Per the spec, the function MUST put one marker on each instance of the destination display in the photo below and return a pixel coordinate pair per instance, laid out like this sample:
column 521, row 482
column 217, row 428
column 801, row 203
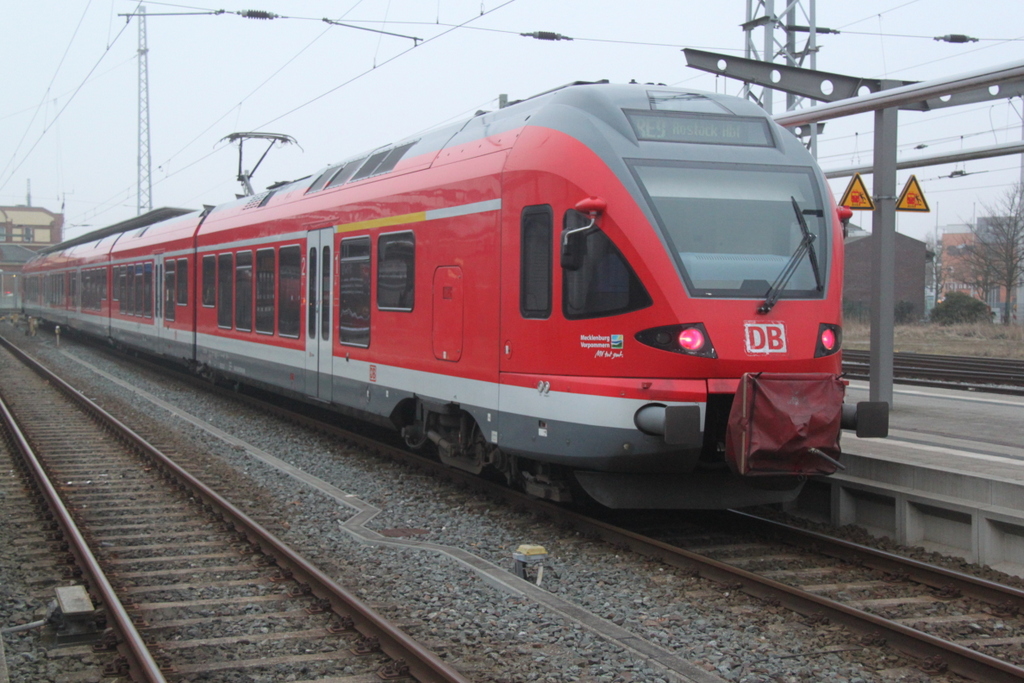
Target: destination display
column 709, row 129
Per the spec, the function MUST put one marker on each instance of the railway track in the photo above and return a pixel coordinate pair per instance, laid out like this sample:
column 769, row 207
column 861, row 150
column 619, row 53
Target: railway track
column 187, row 583
column 994, row 375
column 945, row 620
column 949, row 621
column 965, row 626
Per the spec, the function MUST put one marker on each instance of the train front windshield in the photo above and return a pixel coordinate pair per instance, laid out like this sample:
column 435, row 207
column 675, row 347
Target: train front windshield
column 734, row 229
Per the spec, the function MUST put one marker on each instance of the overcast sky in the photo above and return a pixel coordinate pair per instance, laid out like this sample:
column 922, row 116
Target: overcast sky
column 69, row 115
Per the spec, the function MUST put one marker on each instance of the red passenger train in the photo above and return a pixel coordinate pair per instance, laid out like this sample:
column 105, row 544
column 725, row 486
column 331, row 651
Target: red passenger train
column 626, row 292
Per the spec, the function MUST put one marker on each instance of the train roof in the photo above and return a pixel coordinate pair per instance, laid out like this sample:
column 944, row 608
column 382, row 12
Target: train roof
column 590, row 111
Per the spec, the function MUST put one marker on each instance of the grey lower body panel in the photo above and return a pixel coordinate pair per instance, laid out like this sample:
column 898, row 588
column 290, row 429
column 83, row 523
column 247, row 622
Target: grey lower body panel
column 699, row 490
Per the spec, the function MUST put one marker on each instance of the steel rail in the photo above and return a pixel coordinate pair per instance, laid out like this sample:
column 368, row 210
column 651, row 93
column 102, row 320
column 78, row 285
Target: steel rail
column 423, row 664
column 142, row 665
column 959, row 659
column 1004, row 376
column 915, row 643
column 919, row 572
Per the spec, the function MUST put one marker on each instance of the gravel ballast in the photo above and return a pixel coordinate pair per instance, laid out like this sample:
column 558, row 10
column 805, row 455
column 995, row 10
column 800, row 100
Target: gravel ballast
column 489, row 632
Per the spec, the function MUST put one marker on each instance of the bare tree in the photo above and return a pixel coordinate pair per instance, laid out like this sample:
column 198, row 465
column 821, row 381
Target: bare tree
column 995, row 258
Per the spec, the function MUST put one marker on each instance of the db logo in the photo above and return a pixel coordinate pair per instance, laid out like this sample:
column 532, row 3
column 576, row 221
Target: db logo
column 764, row 337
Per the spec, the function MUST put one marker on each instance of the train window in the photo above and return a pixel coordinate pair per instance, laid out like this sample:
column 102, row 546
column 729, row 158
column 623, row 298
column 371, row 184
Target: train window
column 243, row 291
column 325, row 294
column 756, row 214
column 289, row 291
column 354, row 292
column 128, row 299
column 265, row 291
column 311, row 285
column 535, row 262
column 147, row 289
column 396, row 270
column 209, row 280
column 170, row 289
column 182, row 293
column 116, row 292
column 604, row 284
column 225, row 269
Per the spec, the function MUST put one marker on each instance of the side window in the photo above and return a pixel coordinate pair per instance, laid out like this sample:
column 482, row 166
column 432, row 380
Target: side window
column 289, row 293
column 603, row 284
column 170, row 289
column 225, row 269
column 396, row 271
column 535, row 262
column 243, row 291
column 128, row 300
column 209, row 280
column 140, row 291
column 182, row 294
column 311, row 286
column 354, row 292
column 265, row 291
column 325, row 293
column 147, row 289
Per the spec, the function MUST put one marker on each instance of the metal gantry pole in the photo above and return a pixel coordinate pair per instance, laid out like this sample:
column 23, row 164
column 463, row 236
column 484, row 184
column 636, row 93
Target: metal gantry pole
column 883, row 253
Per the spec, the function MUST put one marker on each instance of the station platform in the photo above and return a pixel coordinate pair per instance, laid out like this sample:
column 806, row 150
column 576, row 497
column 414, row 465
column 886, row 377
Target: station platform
column 949, row 478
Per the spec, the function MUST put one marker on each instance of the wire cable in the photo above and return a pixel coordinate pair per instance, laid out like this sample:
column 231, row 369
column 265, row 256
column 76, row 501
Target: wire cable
column 46, row 93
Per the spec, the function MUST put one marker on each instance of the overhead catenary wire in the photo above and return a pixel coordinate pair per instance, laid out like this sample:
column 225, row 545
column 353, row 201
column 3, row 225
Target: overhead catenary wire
column 46, row 93
column 116, row 198
column 106, row 51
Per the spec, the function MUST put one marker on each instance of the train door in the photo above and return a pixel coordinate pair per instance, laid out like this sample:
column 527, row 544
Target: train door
column 163, row 304
column 448, row 319
column 319, row 336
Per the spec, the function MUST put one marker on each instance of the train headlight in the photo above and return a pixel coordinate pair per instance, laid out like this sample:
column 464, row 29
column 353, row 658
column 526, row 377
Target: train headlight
column 830, row 340
column 690, row 339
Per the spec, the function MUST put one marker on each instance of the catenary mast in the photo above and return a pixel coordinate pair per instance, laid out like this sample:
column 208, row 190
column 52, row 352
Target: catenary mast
column 145, row 179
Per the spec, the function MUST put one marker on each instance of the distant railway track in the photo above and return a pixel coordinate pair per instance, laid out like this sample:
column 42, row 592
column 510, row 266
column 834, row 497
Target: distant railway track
column 155, row 545
column 993, row 375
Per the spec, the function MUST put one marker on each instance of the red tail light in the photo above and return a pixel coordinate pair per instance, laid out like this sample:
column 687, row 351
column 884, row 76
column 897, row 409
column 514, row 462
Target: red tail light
column 691, row 339
column 830, row 340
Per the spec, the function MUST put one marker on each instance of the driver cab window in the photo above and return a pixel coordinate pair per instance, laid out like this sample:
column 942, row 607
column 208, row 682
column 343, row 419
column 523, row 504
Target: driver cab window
column 600, row 283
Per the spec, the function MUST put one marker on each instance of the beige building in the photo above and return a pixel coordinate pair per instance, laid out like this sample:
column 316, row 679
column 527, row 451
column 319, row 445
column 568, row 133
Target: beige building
column 23, row 231
column 30, row 226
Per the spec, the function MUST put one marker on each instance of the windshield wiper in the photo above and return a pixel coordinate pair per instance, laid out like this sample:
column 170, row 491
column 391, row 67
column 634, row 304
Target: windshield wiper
column 805, row 247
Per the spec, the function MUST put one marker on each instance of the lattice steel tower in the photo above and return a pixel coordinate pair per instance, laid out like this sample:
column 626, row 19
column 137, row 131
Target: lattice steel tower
column 145, row 194
column 779, row 39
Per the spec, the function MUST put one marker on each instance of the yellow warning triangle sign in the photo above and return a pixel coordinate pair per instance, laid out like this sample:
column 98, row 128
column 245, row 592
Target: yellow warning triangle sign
column 912, row 198
column 857, row 196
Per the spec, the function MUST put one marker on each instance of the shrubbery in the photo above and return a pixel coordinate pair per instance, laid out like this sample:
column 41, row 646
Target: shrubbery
column 959, row 308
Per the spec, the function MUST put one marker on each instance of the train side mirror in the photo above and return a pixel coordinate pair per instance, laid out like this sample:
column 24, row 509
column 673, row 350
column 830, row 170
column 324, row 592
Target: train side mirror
column 579, row 223
column 845, row 214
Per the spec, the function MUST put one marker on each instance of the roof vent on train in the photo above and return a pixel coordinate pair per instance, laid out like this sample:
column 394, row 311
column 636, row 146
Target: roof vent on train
column 684, row 101
column 256, row 200
column 380, row 162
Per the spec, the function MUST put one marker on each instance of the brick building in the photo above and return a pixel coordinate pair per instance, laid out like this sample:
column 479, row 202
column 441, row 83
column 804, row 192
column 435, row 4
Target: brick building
column 912, row 259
